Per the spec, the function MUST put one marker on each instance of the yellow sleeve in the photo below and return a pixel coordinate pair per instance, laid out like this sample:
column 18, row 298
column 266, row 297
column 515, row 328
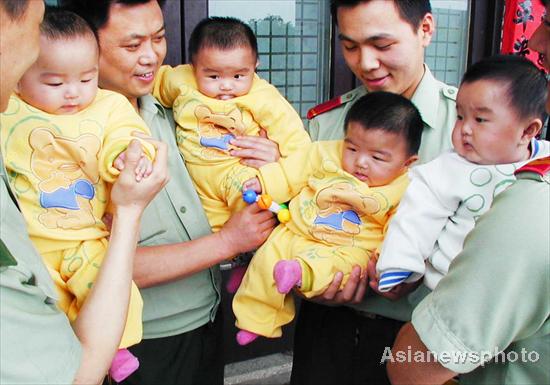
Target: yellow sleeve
column 274, row 113
column 283, row 180
column 123, row 121
column 168, row 83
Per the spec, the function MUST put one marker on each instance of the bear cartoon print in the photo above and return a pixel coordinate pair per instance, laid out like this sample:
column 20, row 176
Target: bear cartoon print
column 67, row 170
column 217, row 129
column 340, row 208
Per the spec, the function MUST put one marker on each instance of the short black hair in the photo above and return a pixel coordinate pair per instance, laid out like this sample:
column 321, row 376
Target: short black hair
column 388, row 112
column 62, row 24
column 222, row 33
column 412, row 11
column 526, row 83
column 96, row 12
column 15, row 8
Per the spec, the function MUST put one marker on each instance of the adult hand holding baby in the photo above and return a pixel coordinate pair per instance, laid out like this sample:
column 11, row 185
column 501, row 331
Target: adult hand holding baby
column 256, row 151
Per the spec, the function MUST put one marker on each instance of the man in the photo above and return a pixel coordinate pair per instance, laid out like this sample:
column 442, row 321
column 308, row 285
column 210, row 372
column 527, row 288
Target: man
column 489, row 317
column 176, row 265
column 58, row 353
column 383, row 43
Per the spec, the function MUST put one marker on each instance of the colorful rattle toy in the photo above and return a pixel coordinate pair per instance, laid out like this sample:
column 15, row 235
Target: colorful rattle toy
column 266, row 202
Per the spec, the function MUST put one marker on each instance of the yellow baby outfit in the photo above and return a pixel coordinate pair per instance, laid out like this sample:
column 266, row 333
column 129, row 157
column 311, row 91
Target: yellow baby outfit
column 205, row 126
column 60, row 168
column 337, row 221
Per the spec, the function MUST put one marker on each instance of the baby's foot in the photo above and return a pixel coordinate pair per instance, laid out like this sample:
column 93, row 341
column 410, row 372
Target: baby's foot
column 244, row 337
column 287, row 274
column 124, row 364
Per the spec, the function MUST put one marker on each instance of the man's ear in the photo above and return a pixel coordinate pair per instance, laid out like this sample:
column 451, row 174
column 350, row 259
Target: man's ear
column 531, row 131
column 257, row 64
column 411, row 160
column 427, row 29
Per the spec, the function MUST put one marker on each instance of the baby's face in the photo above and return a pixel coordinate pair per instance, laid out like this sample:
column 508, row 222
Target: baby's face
column 488, row 130
column 224, row 74
column 374, row 156
column 63, row 80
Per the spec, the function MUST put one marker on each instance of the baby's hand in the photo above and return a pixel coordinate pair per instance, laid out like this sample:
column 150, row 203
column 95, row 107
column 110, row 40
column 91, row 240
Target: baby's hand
column 143, row 169
column 118, row 163
column 253, row 184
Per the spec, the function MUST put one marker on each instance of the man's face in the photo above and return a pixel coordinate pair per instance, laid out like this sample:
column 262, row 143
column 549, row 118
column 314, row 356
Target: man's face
column 381, row 48
column 132, row 48
column 19, row 47
column 540, row 41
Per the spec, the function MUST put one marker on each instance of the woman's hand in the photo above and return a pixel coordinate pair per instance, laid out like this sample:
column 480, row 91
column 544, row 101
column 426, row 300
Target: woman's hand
column 255, row 151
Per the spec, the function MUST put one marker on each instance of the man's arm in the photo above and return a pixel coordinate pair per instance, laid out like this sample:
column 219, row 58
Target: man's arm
column 101, row 320
column 495, row 293
column 245, row 231
column 413, row 372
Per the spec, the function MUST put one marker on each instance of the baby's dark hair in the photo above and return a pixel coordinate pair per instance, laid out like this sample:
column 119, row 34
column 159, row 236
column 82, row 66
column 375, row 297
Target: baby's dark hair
column 526, row 83
column 222, row 33
column 390, row 113
column 60, row 24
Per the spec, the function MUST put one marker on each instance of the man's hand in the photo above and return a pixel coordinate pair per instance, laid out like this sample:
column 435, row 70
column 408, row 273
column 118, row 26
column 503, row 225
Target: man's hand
column 396, row 292
column 247, row 229
column 255, row 151
column 143, row 168
column 129, row 193
column 353, row 291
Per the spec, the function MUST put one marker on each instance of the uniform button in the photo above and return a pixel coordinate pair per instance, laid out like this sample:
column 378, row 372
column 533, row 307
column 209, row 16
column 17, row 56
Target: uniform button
column 451, row 91
column 183, row 209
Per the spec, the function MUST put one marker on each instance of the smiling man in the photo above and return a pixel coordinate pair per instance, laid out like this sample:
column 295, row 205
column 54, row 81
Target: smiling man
column 176, row 266
column 383, row 43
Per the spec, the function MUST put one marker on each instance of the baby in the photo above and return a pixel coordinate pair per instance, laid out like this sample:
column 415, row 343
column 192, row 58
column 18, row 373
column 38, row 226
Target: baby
column 500, row 109
column 343, row 195
column 217, row 98
column 60, row 139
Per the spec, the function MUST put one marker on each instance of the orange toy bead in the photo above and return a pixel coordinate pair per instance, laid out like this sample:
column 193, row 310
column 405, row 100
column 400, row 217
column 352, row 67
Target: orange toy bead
column 265, row 201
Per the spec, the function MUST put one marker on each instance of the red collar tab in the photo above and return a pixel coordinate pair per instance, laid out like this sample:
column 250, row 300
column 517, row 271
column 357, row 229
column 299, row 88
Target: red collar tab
column 539, row 166
column 324, row 107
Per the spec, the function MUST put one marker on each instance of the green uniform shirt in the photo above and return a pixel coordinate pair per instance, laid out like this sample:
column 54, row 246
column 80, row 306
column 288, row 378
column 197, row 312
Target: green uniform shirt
column 496, row 295
column 37, row 343
column 434, row 99
column 436, row 103
column 175, row 215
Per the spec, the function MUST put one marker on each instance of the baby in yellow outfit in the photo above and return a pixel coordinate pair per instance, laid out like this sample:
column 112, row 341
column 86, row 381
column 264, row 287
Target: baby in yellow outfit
column 60, row 139
column 217, row 98
column 343, row 194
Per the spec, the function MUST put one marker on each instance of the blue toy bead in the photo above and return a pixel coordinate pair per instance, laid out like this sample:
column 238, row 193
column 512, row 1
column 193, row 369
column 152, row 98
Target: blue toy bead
column 249, row 196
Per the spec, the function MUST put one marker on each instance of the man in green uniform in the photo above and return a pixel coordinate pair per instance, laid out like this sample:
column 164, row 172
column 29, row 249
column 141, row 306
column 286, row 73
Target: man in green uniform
column 383, row 43
column 489, row 317
column 177, row 261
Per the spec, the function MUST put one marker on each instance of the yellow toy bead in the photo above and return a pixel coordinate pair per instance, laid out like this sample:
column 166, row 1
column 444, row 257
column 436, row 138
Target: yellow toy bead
column 283, row 216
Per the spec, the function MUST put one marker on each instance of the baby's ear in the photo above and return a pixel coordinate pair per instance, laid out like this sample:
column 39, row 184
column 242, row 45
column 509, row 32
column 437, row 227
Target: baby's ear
column 531, row 131
column 411, row 160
